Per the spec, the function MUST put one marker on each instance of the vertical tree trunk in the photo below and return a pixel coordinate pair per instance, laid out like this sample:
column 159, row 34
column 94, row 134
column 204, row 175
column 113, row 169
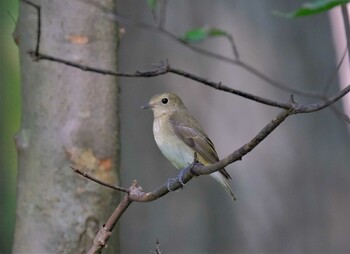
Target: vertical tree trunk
column 68, row 117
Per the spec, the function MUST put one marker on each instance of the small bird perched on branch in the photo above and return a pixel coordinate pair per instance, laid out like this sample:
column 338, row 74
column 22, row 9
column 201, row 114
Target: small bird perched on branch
column 179, row 136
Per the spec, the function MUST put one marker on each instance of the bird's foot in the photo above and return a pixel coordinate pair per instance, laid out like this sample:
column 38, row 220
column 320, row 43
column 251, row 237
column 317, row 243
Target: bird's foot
column 180, row 177
column 182, row 174
column 171, row 181
column 196, row 164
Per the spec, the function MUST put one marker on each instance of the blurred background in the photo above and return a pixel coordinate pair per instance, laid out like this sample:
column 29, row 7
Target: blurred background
column 293, row 189
column 9, row 121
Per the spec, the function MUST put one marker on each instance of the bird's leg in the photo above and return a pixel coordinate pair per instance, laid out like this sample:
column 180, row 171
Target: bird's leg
column 180, row 176
column 194, row 163
column 195, row 158
column 170, row 181
column 182, row 173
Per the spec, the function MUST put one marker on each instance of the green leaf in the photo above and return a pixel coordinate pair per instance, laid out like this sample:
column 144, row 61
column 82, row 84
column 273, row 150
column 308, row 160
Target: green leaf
column 195, row 35
column 202, row 33
column 312, row 8
column 152, row 4
column 214, row 32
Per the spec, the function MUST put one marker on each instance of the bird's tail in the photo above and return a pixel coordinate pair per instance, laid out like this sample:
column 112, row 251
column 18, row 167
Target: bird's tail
column 223, row 181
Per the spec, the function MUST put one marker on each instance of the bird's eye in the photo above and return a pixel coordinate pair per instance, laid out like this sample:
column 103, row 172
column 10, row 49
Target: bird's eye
column 165, row 100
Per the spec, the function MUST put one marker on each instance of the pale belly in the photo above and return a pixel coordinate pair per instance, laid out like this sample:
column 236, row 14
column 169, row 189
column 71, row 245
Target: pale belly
column 176, row 151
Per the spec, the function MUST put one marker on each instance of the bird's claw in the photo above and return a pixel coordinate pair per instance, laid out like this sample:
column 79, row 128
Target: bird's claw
column 181, row 181
column 172, row 180
column 168, row 185
column 180, row 177
column 195, row 164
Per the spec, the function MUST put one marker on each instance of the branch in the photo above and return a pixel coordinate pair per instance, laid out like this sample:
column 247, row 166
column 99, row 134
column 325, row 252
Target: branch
column 164, row 68
column 162, row 15
column 38, row 34
column 78, row 171
column 345, row 15
column 136, row 193
column 157, row 250
column 334, row 74
column 233, row 46
column 221, row 87
column 37, row 56
column 308, row 108
column 340, row 114
column 100, row 240
column 117, row 17
column 161, row 69
column 195, row 169
column 239, row 153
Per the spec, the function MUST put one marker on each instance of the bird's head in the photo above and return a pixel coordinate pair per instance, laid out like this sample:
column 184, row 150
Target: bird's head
column 164, row 103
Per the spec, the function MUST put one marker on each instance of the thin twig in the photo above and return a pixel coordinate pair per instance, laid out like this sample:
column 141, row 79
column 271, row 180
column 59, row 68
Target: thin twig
column 233, row 46
column 100, row 240
column 84, row 174
column 308, row 108
column 157, row 249
column 162, row 14
column 151, row 73
column 344, row 11
column 334, row 74
column 340, row 114
column 267, row 130
column 127, row 21
column 38, row 34
column 221, row 87
column 239, row 153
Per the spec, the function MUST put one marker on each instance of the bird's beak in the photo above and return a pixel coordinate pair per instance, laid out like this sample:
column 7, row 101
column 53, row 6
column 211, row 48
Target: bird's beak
column 146, row 106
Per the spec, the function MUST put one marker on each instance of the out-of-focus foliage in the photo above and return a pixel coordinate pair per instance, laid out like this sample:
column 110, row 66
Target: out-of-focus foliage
column 152, row 4
column 9, row 124
column 202, row 33
column 312, row 8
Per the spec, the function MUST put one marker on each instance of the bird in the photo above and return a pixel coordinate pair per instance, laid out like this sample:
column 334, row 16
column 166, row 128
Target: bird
column 179, row 136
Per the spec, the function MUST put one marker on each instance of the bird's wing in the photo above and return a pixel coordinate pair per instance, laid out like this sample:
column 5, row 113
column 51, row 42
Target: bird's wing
column 187, row 129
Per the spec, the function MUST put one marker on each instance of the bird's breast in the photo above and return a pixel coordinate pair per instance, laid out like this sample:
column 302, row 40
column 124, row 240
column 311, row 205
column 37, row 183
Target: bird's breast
column 174, row 149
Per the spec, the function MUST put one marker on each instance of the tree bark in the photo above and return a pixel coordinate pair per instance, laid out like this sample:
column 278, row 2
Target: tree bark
column 68, row 117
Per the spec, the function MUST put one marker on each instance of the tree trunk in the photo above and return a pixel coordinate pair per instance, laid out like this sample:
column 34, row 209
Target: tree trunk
column 68, row 117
